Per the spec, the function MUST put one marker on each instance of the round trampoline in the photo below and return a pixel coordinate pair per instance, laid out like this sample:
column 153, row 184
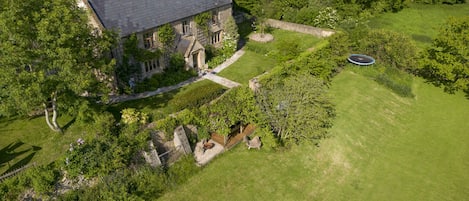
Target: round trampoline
column 361, row 59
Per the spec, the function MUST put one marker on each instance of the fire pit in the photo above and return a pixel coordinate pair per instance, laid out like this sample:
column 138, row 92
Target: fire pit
column 209, row 145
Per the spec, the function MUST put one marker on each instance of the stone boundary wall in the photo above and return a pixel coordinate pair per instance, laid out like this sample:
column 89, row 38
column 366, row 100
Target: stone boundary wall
column 299, row 28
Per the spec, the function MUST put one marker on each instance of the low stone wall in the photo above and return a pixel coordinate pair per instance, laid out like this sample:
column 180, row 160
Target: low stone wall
column 299, row 28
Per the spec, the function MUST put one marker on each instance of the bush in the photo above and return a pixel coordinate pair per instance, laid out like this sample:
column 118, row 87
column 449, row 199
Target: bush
column 196, row 97
column 181, row 171
column 286, row 49
column 259, row 48
column 168, row 78
column 44, row 178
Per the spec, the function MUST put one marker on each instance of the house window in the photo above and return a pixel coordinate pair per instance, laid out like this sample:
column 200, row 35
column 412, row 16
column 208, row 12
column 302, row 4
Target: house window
column 152, row 65
column 148, row 40
column 214, row 17
column 186, row 27
column 216, row 37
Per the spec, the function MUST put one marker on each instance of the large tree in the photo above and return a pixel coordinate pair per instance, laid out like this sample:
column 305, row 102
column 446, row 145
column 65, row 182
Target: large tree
column 237, row 106
column 297, row 108
column 49, row 55
column 446, row 62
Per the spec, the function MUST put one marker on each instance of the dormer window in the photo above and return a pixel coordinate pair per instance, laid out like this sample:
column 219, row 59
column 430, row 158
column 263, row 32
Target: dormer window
column 214, row 17
column 186, row 27
column 148, row 40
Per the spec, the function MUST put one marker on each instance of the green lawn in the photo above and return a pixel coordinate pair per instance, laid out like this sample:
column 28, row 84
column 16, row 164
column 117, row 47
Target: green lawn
column 420, row 21
column 174, row 101
column 24, row 141
column 253, row 64
column 250, row 65
column 384, row 147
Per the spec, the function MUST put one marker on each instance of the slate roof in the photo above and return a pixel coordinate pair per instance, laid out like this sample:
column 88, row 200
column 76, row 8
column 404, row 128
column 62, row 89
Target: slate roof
column 131, row 16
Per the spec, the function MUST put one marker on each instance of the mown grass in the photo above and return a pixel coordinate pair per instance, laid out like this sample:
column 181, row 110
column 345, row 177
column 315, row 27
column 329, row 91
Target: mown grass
column 24, row 141
column 419, row 21
column 261, row 57
column 384, row 147
column 248, row 66
column 193, row 95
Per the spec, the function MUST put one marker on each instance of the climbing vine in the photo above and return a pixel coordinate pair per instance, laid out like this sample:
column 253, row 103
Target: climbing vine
column 166, row 35
column 202, row 20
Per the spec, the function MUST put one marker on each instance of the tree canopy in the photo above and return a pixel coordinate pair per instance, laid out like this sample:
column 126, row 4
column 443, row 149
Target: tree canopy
column 297, row 108
column 446, row 62
column 49, row 55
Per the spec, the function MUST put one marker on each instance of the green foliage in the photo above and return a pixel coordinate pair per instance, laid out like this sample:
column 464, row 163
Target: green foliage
column 166, row 35
column 374, row 142
column 286, row 49
column 143, row 184
column 297, row 108
column 215, row 56
column 49, row 50
column 132, row 116
column 327, row 18
column 169, row 77
column 176, row 62
column 44, row 178
column 440, row 1
column 202, row 21
column 197, row 98
column 391, row 48
column 446, row 61
column 237, row 106
column 181, row 171
column 99, row 156
column 130, row 68
column 168, row 124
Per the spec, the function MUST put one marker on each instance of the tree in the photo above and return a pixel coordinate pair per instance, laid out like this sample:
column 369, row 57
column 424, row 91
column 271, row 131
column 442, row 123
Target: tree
column 49, row 57
column 446, row 62
column 297, row 108
column 392, row 48
column 238, row 106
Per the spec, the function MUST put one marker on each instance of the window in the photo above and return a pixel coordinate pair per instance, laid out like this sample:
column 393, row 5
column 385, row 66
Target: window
column 148, row 40
column 186, row 28
column 152, row 65
column 214, row 17
column 216, row 37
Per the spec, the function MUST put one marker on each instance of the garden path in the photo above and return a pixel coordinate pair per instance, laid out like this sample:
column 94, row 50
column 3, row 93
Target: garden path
column 210, row 76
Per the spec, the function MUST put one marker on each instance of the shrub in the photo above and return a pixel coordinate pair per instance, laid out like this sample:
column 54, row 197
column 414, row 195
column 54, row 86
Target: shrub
column 196, row 97
column 181, row 171
column 287, row 49
column 132, row 116
column 167, row 78
column 44, row 178
column 259, row 48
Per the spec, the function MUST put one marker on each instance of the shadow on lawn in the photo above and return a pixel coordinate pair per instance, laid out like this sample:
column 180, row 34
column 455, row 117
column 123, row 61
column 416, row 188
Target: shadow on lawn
column 9, row 153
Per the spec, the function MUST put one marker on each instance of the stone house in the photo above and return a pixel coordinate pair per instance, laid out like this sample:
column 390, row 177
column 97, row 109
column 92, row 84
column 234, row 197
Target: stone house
column 144, row 17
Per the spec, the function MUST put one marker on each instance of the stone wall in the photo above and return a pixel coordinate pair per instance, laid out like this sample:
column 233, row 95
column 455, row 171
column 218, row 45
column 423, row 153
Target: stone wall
column 299, row 28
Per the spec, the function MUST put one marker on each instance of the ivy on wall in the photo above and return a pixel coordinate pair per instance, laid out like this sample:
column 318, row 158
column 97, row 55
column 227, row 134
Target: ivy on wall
column 202, row 20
